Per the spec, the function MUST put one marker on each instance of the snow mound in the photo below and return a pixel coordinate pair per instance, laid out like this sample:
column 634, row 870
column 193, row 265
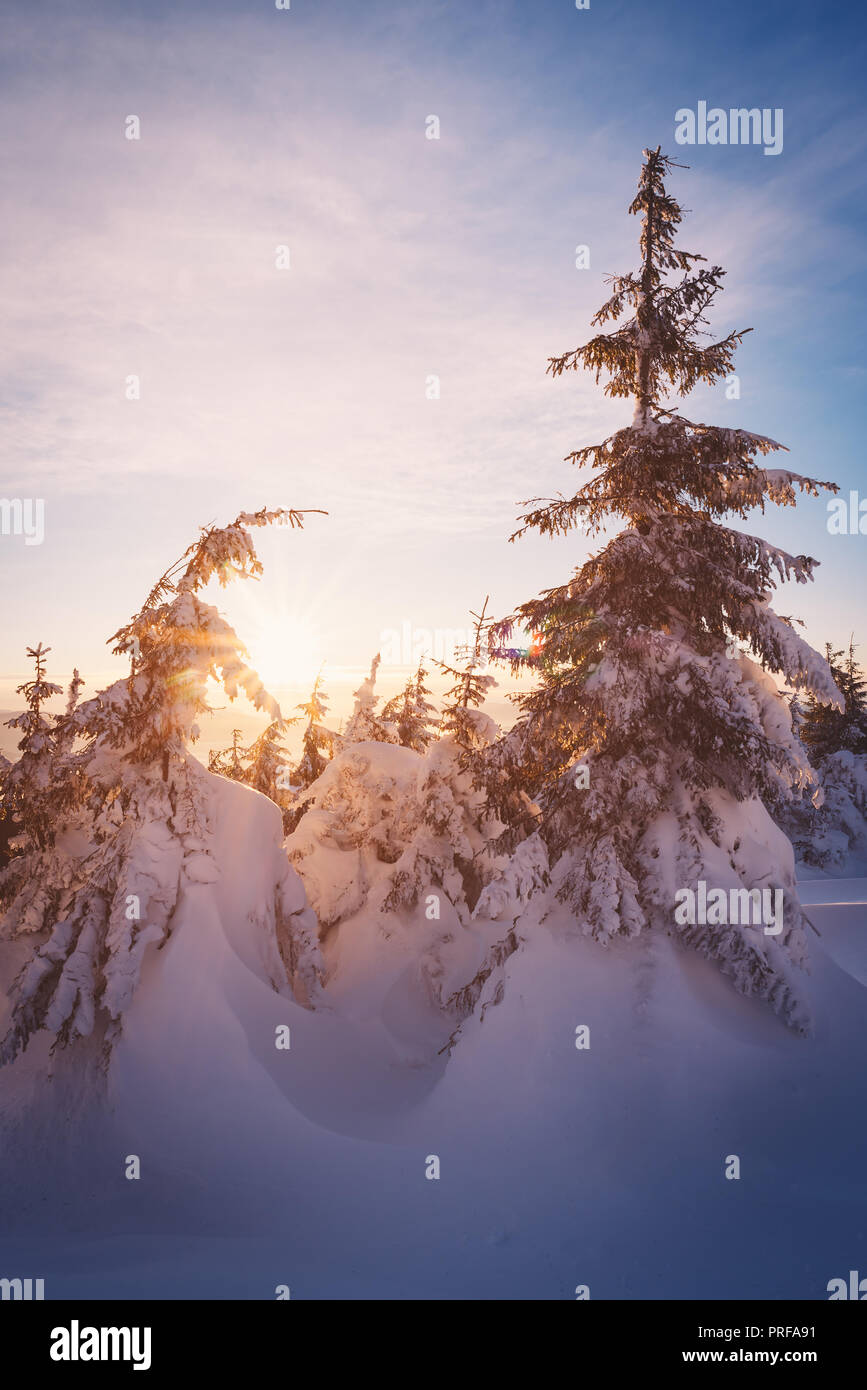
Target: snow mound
column 582, row 1127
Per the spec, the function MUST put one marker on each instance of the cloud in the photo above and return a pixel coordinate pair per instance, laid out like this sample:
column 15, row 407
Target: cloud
column 410, row 258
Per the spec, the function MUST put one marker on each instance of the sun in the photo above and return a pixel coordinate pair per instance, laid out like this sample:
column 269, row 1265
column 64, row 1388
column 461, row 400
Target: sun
column 284, row 648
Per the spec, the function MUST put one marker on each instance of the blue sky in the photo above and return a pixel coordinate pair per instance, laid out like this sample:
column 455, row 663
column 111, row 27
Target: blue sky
column 409, row 257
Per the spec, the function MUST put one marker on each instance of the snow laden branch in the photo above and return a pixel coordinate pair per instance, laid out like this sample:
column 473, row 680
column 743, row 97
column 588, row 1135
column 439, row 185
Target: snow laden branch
column 679, row 468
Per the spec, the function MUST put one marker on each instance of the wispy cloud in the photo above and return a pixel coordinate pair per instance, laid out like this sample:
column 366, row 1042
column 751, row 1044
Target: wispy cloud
column 410, row 259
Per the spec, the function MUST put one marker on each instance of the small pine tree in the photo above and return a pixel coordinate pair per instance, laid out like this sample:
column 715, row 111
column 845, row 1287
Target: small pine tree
column 228, row 761
column 825, row 729
column 461, row 716
column 268, row 769
column 454, row 839
column 364, row 725
column 7, row 826
column 318, row 743
column 46, row 789
column 28, row 785
column 412, row 714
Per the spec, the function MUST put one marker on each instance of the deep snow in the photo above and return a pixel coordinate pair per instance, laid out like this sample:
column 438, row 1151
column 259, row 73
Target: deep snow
column 559, row 1166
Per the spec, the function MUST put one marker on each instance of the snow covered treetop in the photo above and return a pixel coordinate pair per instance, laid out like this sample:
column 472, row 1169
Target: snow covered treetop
column 660, row 343
column 176, row 643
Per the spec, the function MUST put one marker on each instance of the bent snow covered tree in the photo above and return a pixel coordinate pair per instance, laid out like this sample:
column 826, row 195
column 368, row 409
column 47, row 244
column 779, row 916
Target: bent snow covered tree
column 677, row 735
column 94, row 887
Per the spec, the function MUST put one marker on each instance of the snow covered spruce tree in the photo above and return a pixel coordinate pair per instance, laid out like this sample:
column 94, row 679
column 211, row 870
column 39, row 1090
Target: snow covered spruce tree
column 28, row 784
column 268, row 770
column 264, row 766
column 142, row 824
column 825, row 729
column 365, row 726
column 412, row 714
column 452, row 844
column 38, row 793
column 648, row 742
column 229, row 761
column 461, row 715
column 824, row 833
column 386, row 825
column 318, row 743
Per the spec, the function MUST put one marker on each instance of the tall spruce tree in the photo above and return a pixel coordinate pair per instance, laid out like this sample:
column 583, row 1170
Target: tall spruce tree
column 671, row 733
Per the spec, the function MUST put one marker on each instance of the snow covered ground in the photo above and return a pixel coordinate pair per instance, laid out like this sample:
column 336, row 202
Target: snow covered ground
column 838, row 909
column 559, row 1166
